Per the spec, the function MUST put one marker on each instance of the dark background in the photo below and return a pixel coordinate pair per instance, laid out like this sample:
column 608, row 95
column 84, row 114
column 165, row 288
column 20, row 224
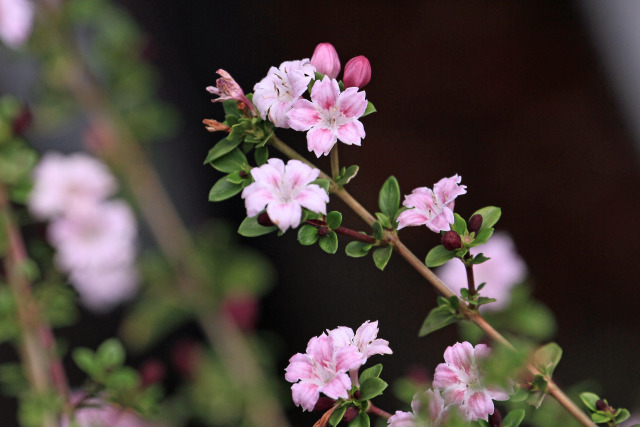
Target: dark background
column 510, row 95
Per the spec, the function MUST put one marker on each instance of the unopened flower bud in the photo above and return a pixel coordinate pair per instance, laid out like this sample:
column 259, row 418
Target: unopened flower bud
column 495, row 419
column 264, row 220
column 451, row 240
column 324, row 404
column 475, row 222
column 325, row 59
column 350, row 414
column 357, row 72
column 215, row 126
column 601, row 405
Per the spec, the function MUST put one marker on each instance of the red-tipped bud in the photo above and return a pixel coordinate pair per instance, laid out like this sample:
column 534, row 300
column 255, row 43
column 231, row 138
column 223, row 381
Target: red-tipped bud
column 475, row 222
column 350, row 414
column 264, row 220
column 495, row 419
column 357, row 72
column 451, row 240
column 601, row 405
column 325, row 59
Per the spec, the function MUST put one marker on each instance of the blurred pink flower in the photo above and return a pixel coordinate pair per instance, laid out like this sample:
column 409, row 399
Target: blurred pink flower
column 461, row 381
column 274, row 95
column 322, row 370
column 433, row 208
column 227, row 88
column 357, row 72
column 68, row 183
column 98, row 413
column 330, row 116
column 284, row 191
column 16, row 20
column 103, row 288
column 437, row 412
column 365, row 339
column 501, row 273
column 326, row 60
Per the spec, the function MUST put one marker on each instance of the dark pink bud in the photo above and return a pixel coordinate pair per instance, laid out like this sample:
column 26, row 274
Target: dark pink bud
column 357, row 72
column 22, row 121
column 324, row 404
column 152, row 371
column 186, row 356
column 495, row 419
column 350, row 414
column 243, row 310
column 475, row 222
column 451, row 240
column 325, row 59
column 601, row 405
column 264, row 220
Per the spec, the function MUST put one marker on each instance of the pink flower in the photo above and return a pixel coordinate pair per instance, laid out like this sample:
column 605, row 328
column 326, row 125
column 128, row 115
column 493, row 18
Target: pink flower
column 330, row 116
column 274, row 95
column 460, row 379
column 365, row 339
column 437, row 412
column 501, row 273
column 227, row 88
column 432, row 208
column 70, row 183
column 98, row 413
column 357, row 72
column 102, row 288
column 16, row 19
column 322, row 370
column 284, row 190
column 326, row 60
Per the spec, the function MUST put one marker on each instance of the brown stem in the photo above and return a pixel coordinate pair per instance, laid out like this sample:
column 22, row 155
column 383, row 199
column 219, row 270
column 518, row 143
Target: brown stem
column 377, row 411
column 356, row 235
column 471, row 283
column 335, row 163
column 466, row 311
column 41, row 364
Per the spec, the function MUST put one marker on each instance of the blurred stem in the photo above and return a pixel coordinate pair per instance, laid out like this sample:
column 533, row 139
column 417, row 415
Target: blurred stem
column 126, row 156
column 335, row 163
column 418, row 265
column 36, row 349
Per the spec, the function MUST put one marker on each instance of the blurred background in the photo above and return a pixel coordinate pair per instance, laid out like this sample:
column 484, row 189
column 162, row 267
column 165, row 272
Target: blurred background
column 534, row 104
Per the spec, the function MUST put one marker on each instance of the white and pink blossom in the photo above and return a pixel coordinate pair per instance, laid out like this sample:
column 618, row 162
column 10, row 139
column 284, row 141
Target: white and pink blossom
column 365, row 339
column 274, row 94
column 284, row 191
column 501, row 273
column 96, row 412
column 322, row 369
column 461, row 381
column 433, row 208
column 16, row 21
column 68, row 183
column 436, row 416
column 330, row 116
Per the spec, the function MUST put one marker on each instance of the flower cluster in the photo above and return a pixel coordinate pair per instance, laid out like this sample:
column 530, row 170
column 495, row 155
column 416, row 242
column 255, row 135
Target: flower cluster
column 433, row 208
column 458, row 384
column 331, row 115
column 95, row 238
column 505, row 270
column 324, row 366
column 16, row 19
column 284, row 191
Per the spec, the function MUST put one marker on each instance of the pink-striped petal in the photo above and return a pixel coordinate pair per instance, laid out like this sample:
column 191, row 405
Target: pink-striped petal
column 305, row 394
column 338, row 386
column 479, row 406
column 256, row 199
column 351, row 132
column 313, row 198
column 303, row 115
column 320, row 141
column 353, row 103
column 285, row 215
column 299, row 174
column 325, row 93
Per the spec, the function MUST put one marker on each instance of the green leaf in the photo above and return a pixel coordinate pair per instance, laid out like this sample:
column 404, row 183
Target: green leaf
column 438, row 318
column 622, row 416
column 459, row 224
column 250, row 228
column 223, row 189
column 589, row 399
column 372, row 372
column 384, row 220
column 223, row 147
column 230, row 107
column 334, row 219
column 348, row 175
column 547, row 358
column 235, row 177
column 389, row 197
column 85, row 359
column 110, row 353
column 490, row 216
column 370, row 109
column 513, row 418
column 233, row 161
column 307, row 235
column 482, row 237
column 598, row 417
column 362, row 420
column 329, row 242
column 377, row 230
column 261, row 155
column 358, row 249
column 381, row 256
column 438, row 256
column 337, row 415
column 323, row 183
column 372, row 387
column 479, row 259
column 484, row 300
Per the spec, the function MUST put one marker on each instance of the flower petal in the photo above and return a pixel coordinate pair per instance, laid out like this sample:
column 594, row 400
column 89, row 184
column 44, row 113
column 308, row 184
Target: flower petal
column 285, row 215
column 479, row 406
column 303, row 115
column 338, row 386
column 320, row 141
column 353, row 103
column 313, row 198
column 299, row 174
column 351, row 132
column 325, row 93
column 305, row 394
